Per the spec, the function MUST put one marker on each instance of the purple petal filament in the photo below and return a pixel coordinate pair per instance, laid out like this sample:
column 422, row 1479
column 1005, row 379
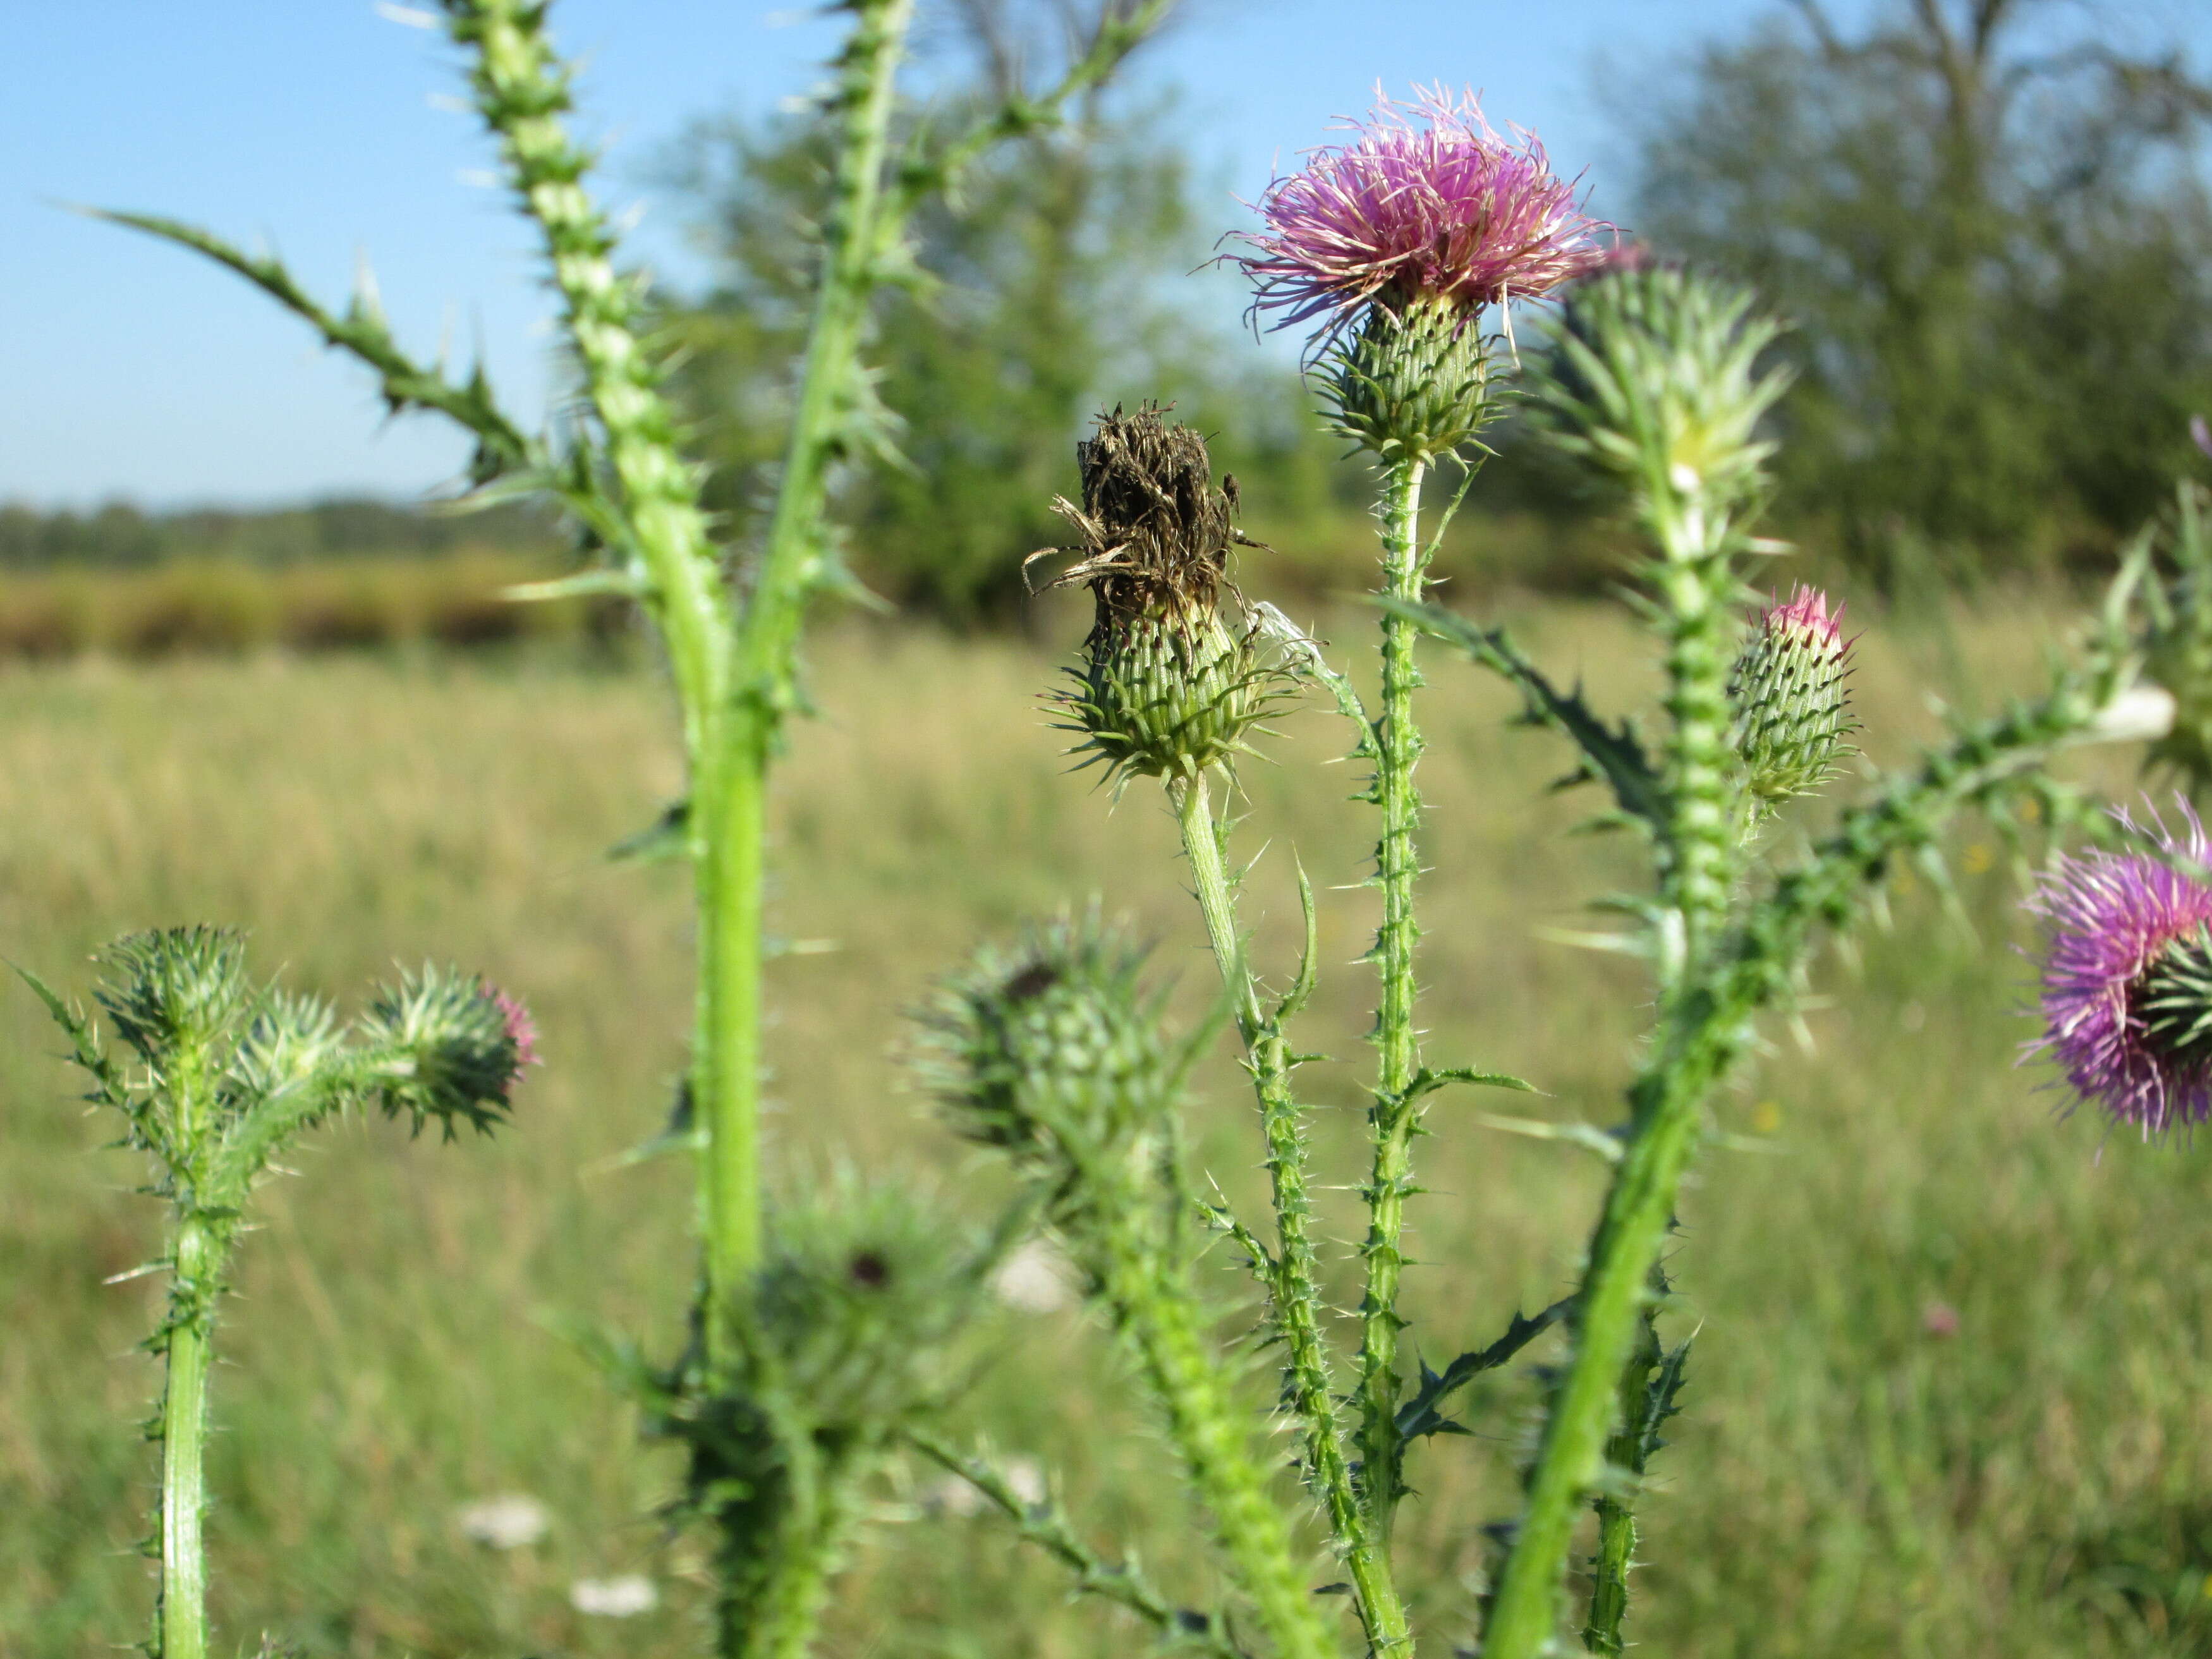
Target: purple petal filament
column 1436, row 206
column 2111, row 916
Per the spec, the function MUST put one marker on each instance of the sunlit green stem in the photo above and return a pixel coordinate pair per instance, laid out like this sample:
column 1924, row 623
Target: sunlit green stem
column 1571, row 1459
column 1698, row 865
column 183, row 1620
column 1394, row 1115
column 1154, row 1303
column 1293, row 1275
column 521, row 91
column 1616, row 1510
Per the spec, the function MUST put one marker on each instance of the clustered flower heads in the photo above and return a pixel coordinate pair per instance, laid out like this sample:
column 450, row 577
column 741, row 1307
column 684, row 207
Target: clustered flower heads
column 1166, row 688
column 1396, row 242
column 1792, row 706
column 2127, row 976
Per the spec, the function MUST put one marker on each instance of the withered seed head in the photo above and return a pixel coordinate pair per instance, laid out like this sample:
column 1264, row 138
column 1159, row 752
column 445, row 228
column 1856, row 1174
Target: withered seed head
column 1156, row 529
column 1166, row 689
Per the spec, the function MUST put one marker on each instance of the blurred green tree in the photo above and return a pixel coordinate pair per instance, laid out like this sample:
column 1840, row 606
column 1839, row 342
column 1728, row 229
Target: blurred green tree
column 1992, row 228
column 1050, row 286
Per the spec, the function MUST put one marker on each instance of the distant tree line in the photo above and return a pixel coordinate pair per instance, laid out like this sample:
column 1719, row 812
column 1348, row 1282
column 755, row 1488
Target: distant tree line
column 1991, row 228
column 118, row 536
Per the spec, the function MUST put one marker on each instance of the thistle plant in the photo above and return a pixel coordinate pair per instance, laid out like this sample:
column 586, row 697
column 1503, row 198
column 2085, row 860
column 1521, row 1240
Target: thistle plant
column 1053, row 1054
column 1654, row 377
column 730, row 618
column 1400, row 241
column 215, row 1079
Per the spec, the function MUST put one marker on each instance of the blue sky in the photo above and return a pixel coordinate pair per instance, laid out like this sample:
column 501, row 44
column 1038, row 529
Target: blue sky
column 327, row 129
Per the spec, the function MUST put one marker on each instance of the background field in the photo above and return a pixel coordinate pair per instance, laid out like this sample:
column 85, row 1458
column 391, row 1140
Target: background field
column 1848, row 1479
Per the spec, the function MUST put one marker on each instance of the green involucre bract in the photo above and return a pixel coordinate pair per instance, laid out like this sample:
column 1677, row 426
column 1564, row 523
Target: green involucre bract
column 1411, row 382
column 1792, row 705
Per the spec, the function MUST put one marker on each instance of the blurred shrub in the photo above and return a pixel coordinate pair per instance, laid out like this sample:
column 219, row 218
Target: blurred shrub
column 226, row 606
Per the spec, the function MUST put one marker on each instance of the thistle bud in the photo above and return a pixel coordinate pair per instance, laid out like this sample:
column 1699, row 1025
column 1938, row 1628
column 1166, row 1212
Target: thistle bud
column 448, row 1047
column 1166, row 688
column 1412, row 381
column 1053, row 1051
column 1792, row 708
column 847, row 1334
column 1652, row 377
column 858, row 1301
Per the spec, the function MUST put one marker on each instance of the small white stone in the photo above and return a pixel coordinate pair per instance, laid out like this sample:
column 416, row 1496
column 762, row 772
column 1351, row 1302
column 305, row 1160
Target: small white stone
column 1026, row 1476
column 614, row 1598
column 2141, row 713
column 1034, row 1280
column 506, row 1522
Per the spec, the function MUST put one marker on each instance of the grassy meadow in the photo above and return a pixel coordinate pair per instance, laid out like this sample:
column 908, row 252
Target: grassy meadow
column 1948, row 1397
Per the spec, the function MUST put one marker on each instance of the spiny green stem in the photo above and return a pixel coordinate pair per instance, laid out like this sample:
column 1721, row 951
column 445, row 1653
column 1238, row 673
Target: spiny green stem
column 855, row 234
column 181, row 1623
column 1571, row 1460
column 1043, row 1525
column 1157, row 1308
column 782, row 1621
column 1394, row 1117
column 1616, row 1512
column 1293, row 1275
column 521, row 91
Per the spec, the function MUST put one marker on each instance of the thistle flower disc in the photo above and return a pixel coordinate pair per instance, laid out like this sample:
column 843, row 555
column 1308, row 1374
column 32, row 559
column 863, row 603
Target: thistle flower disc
column 2127, row 977
column 1425, row 200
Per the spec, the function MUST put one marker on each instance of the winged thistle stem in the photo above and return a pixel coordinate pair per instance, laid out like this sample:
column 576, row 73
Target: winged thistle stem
column 1292, row 1272
column 1053, row 1054
column 1394, row 1117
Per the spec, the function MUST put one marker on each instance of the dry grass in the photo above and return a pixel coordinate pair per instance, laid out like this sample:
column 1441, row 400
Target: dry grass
column 1845, row 1482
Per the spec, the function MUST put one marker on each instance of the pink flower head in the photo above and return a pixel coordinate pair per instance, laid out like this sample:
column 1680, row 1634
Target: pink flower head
column 2114, row 918
column 521, row 1030
column 1436, row 206
column 1806, row 618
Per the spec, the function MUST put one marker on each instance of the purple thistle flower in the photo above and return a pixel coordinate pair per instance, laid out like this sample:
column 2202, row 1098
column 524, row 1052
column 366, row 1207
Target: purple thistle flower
column 2122, row 982
column 1440, row 207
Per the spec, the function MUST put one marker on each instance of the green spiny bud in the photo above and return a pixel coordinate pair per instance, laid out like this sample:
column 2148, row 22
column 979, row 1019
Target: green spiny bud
column 2177, row 643
column 171, row 989
column 1652, row 377
column 1792, row 707
column 1411, row 382
column 1053, row 1051
column 1166, row 688
column 448, row 1047
column 861, row 1293
column 846, row 1333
